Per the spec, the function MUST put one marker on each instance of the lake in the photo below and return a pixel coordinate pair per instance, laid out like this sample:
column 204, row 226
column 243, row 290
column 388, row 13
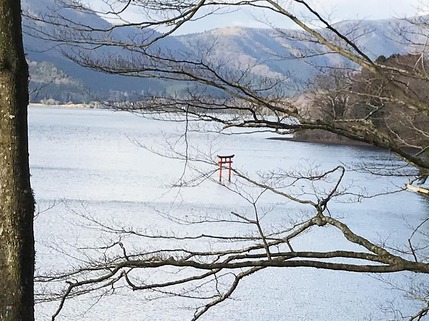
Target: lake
column 125, row 170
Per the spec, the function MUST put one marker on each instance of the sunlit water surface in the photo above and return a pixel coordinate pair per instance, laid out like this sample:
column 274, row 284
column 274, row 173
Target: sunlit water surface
column 106, row 165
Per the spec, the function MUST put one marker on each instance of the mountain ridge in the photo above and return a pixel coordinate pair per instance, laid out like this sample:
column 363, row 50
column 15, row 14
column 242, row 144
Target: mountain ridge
column 261, row 50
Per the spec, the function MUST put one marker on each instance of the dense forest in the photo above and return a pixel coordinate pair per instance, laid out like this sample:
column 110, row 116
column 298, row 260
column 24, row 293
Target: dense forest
column 342, row 94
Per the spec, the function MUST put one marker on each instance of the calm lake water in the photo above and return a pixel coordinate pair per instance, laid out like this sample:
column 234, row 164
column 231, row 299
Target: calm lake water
column 112, row 166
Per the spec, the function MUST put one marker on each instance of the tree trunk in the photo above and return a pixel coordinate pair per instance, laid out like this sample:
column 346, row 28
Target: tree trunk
column 16, row 199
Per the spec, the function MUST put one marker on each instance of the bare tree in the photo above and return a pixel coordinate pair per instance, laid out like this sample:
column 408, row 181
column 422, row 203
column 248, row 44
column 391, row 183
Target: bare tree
column 16, row 198
column 238, row 98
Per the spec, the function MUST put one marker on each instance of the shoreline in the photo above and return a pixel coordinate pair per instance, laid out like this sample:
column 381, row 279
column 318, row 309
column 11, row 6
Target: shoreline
column 327, row 141
column 323, row 141
column 75, row 106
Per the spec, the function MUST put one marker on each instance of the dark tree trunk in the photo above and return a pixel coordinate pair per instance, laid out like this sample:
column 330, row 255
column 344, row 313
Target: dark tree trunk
column 16, row 199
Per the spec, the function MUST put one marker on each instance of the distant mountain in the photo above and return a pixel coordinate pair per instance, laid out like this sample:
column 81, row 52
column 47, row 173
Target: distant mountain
column 50, row 84
column 98, row 86
column 271, row 53
column 262, row 51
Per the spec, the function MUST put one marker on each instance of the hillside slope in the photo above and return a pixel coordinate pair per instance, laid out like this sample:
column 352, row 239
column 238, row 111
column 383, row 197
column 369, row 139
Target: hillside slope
column 262, row 52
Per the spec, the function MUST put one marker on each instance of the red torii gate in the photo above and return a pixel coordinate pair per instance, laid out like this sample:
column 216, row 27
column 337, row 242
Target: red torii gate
column 225, row 160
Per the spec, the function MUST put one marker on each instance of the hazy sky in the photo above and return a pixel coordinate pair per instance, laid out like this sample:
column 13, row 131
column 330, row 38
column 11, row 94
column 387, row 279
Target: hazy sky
column 336, row 10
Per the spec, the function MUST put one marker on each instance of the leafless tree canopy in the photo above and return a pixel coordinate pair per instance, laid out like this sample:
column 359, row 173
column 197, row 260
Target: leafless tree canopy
column 382, row 102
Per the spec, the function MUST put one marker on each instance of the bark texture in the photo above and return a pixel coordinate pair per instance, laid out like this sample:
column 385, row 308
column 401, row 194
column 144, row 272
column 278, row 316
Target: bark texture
column 16, row 199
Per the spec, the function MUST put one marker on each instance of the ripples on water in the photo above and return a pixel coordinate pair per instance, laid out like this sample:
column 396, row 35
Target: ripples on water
column 89, row 162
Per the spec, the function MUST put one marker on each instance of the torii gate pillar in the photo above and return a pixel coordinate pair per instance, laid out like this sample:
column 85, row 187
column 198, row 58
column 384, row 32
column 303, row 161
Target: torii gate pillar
column 225, row 160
